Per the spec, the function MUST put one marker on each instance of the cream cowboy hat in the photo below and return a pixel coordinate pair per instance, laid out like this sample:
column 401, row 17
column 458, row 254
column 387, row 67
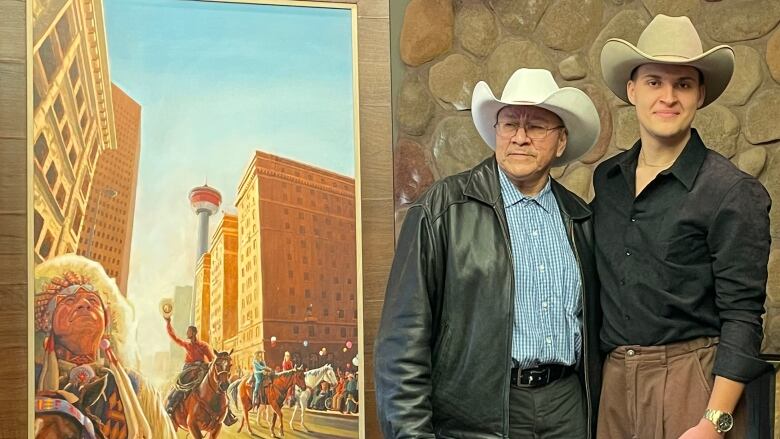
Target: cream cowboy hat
column 536, row 87
column 667, row 40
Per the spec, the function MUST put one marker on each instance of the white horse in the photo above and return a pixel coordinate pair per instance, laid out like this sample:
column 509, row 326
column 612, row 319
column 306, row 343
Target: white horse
column 313, row 378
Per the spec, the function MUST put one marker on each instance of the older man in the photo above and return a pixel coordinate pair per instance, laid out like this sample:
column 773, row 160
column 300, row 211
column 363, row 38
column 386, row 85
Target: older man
column 682, row 248
column 491, row 318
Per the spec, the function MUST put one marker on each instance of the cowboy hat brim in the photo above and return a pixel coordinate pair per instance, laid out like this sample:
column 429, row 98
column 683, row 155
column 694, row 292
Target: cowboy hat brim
column 619, row 58
column 572, row 105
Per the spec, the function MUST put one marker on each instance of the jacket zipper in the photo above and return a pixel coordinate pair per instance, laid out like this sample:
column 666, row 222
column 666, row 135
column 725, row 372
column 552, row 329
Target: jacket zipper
column 584, row 322
column 507, row 242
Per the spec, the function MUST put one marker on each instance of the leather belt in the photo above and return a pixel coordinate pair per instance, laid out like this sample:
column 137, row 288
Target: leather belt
column 539, row 376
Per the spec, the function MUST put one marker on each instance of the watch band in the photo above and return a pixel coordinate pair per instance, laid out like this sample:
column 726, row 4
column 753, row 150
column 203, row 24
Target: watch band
column 714, row 416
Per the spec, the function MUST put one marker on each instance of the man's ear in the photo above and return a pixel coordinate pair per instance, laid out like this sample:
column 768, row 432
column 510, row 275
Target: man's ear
column 631, row 92
column 563, row 139
column 702, row 94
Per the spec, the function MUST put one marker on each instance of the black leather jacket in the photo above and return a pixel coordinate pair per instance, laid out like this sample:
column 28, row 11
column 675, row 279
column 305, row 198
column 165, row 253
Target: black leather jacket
column 442, row 353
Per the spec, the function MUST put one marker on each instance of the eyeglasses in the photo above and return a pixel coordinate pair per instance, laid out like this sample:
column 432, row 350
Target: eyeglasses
column 533, row 132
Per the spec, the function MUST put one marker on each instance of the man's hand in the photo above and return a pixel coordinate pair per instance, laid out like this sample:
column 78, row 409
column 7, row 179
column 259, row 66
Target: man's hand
column 703, row 430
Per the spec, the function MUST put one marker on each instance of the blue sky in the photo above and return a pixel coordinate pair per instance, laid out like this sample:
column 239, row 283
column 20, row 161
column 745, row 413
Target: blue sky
column 217, row 81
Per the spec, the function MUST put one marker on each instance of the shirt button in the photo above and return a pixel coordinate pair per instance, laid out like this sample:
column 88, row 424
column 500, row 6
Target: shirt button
column 633, row 220
column 534, row 232
column 541, row 268
column 622, row 281
column 548, row 340
column 628, row 252
column 544, row 305
column 627, row 317
column 630, row 352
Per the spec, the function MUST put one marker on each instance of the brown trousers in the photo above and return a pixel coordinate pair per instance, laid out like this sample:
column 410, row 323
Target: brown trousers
column 659, row 392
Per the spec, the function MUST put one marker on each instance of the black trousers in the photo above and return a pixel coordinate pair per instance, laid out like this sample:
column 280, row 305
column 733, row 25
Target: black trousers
column 556, row 410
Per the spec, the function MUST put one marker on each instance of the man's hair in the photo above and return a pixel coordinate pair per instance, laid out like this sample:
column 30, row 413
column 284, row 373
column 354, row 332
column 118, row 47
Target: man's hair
column 194, row 329
column 633, row 74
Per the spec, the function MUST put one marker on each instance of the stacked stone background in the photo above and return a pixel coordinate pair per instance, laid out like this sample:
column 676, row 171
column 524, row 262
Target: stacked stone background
column 446, row 46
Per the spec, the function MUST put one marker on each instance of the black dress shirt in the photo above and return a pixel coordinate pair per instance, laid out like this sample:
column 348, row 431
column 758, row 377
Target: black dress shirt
column 686, row 258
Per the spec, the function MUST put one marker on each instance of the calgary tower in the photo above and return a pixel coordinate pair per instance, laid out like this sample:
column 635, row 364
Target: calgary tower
column 205, row 201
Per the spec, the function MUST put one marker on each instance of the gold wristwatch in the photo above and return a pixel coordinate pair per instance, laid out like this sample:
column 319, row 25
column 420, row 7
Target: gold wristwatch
column 723, row 420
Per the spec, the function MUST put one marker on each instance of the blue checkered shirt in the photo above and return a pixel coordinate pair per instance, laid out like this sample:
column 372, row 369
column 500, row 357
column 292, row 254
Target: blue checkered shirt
column 546, row 327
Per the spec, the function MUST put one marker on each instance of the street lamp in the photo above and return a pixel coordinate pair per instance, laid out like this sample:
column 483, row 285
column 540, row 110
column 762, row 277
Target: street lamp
column 110, row 193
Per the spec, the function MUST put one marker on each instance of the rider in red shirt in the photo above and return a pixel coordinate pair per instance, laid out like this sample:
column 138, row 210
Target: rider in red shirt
column 197, row 350
column 287, row 364
column 196, row 364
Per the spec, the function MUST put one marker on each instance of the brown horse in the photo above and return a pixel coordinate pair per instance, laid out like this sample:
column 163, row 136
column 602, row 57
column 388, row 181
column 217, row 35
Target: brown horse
column 275, row 393
column 205, row 407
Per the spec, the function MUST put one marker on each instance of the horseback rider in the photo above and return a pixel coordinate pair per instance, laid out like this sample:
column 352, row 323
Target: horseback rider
column 196, row 366
column 260, row 371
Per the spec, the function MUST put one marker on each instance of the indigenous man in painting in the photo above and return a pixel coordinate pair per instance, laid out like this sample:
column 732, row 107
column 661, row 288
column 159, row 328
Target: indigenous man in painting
column 491, row 312
column 682, row 245
column 82, row 327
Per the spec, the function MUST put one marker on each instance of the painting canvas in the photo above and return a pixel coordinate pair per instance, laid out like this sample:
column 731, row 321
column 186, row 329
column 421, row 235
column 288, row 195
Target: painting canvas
column 195, row 243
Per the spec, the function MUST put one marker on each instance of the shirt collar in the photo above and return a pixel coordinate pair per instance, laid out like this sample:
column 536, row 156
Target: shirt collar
column 685, row 168
column 512, row 195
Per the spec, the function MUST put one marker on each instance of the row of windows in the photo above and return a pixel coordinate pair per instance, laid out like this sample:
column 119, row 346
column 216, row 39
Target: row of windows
column 105, row 260
column 310, row 177
column 39, row 227
column 325, row 313
column 44, row 244
column 312, row 331
column 306, row 276
column 324, row 294
column 56, row 45
column 317, row 232
column 325, row 206
column 51, row 172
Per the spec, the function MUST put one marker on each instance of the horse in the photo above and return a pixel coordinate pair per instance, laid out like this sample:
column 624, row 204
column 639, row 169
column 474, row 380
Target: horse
column 240, row 391
column 205, row 407
column 275, row 393
column 313, row 378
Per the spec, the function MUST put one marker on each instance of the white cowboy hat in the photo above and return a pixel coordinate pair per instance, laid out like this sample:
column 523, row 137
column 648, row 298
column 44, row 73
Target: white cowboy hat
column 536, row 87
column 667, row 40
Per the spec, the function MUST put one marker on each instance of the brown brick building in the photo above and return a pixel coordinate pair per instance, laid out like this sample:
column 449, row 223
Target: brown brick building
column 296, row 262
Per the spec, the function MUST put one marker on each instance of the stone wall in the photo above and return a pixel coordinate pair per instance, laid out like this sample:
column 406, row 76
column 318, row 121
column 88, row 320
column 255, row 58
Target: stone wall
column 448, row 45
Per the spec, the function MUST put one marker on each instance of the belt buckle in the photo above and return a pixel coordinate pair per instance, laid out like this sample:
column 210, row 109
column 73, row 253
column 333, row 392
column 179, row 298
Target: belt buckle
column 535, row 377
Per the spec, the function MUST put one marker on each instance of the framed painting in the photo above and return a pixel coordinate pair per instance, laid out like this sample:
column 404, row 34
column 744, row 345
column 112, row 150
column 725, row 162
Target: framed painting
column 196, row 248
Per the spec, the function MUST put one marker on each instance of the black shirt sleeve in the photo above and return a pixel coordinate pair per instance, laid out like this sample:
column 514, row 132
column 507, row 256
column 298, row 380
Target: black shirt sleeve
column 739, row 242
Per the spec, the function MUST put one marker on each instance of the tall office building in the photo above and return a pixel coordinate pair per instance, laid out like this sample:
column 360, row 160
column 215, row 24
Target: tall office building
column 107, row 233
column 73, row 118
